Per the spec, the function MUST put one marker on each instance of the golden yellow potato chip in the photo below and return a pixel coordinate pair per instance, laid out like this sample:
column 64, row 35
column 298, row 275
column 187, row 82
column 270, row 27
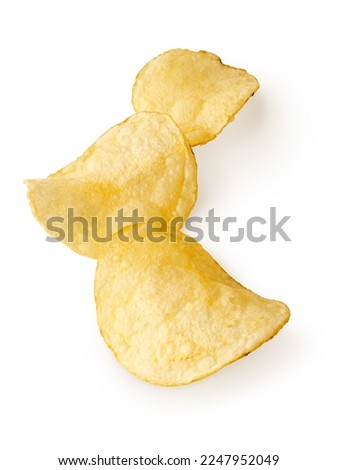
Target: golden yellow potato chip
column 196, row 89
column 172, row 315
column 145, row 164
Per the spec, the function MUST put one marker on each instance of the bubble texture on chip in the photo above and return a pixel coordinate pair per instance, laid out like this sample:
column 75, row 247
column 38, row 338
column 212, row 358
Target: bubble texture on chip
column 172, row 315
column 196, row 89
column 144, row 163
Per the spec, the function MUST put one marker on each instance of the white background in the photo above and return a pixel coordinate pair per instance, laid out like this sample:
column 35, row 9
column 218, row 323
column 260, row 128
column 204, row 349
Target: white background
column 67, row 69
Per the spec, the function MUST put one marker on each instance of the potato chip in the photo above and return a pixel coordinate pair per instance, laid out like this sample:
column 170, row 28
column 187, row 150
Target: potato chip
column 172, row 315
column 144, row 163
column 196, row 89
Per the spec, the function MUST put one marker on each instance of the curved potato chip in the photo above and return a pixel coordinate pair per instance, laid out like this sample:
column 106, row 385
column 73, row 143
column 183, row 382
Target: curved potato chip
column 144, row 163
column 172, row 315
column 196, row 89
